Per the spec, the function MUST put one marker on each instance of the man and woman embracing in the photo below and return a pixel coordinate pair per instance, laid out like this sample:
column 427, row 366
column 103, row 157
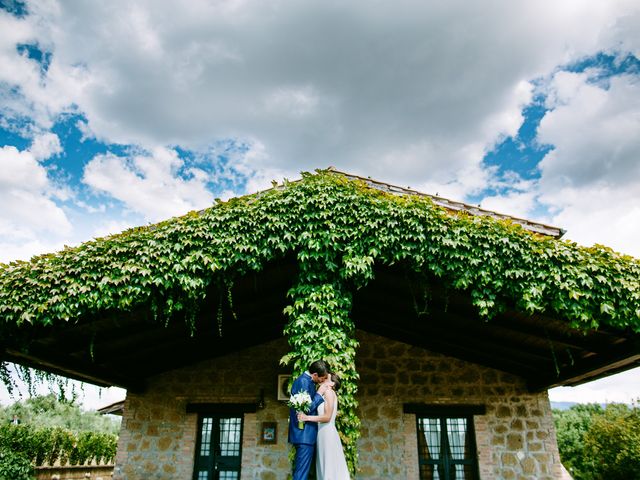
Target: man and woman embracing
column 318, row 438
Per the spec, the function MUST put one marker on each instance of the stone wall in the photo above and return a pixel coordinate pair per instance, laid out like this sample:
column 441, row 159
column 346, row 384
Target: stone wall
column 515, row 438
column 158, row 438
column 75, row 472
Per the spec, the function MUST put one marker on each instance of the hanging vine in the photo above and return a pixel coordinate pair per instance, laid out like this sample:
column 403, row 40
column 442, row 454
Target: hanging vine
column 339, row 229
column 319, row 327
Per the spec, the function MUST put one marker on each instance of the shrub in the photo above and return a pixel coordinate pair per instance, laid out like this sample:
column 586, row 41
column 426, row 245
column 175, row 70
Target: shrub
column 14, row 466
column 46, row 445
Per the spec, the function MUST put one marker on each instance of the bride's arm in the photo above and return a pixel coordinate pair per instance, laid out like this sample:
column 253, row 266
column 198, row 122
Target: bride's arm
column 329, row 399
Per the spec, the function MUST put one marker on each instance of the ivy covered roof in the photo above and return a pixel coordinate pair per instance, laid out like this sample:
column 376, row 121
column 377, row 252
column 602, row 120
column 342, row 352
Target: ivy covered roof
column 455, row 206
column 474, row 286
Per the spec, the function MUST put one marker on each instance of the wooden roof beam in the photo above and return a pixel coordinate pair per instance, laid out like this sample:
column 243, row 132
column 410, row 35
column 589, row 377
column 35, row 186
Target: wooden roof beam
column 83, row 372
column 180, row 351
column 473, row 332
column 450, row 348
column 616, row 359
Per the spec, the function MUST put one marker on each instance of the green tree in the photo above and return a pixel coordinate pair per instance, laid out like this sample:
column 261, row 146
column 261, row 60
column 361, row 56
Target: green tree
column 571, row 426
column 51, row 411
column 598, row 443
column 613, row 443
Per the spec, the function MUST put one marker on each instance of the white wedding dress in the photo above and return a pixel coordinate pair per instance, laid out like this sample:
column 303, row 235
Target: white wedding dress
column 330, row 462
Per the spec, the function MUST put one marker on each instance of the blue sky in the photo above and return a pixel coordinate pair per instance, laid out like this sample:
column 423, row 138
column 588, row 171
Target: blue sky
column 119, row 114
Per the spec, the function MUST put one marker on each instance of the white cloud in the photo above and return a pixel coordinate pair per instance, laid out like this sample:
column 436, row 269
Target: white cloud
column 236, row 168
column 25, row 90
column 622, row 388
column 517, row 204
column 111, row 227
column 595, row 131
column 409, row 92
column 13, row 248
column 45, row 146
column 431, row 86
column 625, row 34
column 292, row 102
column 17, row 70
column 590, row 181
column 149, row 184
column 608, row 215
column 27, row 196
column 592, row 176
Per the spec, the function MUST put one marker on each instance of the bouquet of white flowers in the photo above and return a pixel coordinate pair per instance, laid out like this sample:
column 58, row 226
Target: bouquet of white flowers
column 300, row 402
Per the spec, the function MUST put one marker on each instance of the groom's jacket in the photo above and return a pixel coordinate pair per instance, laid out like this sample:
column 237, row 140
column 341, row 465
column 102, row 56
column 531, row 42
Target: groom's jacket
column 308, row 435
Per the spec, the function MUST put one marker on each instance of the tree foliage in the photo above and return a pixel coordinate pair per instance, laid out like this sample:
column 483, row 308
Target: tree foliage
column 15, row 466
column 47, row 445
column 55, row 429
column 571, row 426
column 338, row 229
column 52, row 411
column 598, row 443
column 613, row 443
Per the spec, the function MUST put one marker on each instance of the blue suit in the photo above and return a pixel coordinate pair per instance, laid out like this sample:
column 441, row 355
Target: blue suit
column 305, row 439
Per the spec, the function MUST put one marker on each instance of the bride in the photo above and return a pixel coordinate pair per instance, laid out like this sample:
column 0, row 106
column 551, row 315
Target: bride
column 330, row 461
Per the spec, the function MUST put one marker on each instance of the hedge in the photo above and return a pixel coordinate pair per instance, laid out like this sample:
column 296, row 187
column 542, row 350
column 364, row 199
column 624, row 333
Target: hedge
column 45, row 446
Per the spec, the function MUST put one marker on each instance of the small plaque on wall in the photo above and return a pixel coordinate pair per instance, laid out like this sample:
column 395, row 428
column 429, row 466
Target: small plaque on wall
column 269, row 433
column 283, row 387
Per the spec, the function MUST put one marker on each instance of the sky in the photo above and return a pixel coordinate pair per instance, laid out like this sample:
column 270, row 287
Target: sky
column 121, row 113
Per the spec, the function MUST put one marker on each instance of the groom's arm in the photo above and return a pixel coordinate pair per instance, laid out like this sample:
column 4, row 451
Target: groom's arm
column 320, row 418
column 317, row 400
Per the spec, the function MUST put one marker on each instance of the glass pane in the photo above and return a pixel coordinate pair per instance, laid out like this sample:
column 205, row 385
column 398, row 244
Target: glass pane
column 228, row 475
column 429, row 438
column 456, row 433
column 205, row 440
column 229, row 438
column 203, row 475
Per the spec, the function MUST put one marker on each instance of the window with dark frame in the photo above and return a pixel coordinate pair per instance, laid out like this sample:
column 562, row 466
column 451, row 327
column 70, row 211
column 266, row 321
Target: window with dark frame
column 218, row 454
column 446, row 448
column 218, row 449
column 446, row 440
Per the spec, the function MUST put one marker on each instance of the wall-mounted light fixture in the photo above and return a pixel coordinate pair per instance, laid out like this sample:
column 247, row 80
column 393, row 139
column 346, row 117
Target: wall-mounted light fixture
column 283, row 387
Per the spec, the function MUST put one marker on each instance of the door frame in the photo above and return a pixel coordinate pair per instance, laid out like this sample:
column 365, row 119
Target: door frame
column 218, row 411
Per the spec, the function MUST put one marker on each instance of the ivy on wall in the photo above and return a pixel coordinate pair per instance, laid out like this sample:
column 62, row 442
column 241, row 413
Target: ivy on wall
column 339, row 229
column 319, row 327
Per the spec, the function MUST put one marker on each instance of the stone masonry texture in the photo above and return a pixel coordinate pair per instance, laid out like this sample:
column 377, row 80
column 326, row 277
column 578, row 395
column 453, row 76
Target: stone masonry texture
column 515, row 438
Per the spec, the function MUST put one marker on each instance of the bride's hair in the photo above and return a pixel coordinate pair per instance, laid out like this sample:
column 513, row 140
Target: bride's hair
column 336, row 382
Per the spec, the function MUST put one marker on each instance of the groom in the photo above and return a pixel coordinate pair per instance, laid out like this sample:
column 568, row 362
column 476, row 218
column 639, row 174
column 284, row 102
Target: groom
column 305, row 440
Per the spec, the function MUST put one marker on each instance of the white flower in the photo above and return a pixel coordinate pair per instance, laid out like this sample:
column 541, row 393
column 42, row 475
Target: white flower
column 300, row 401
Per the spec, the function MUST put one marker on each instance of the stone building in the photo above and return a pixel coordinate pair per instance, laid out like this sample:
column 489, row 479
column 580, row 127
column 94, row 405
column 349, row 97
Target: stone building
column 442, row 393
column 512, row 428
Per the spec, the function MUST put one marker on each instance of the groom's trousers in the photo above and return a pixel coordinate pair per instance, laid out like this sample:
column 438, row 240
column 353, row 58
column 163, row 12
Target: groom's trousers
column 304, row 457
